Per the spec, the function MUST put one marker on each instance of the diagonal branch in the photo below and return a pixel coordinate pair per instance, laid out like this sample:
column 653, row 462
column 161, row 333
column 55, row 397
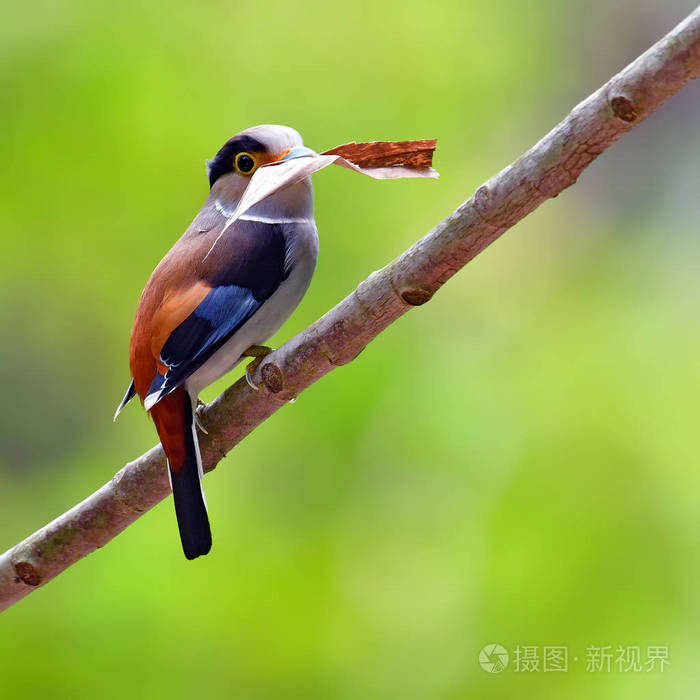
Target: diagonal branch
column 549, row 167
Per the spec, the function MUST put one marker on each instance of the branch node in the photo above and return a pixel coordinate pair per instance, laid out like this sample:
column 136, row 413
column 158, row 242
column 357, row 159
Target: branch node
column 623, row 108
column 481, row 201
column 27, row 573
column 272, row 377
column 416, row 297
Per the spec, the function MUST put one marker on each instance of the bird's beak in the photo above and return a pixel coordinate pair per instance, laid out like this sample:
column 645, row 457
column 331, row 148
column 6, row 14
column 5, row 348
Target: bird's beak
column 298, row 152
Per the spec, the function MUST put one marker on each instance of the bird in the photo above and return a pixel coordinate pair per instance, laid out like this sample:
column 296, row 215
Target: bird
column 218, row 295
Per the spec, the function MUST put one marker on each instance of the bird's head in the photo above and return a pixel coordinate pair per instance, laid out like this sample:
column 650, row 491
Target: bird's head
column 244, row 153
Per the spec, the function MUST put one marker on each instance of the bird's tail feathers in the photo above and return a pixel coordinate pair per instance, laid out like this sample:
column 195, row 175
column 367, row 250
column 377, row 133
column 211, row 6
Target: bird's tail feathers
column 185, row 471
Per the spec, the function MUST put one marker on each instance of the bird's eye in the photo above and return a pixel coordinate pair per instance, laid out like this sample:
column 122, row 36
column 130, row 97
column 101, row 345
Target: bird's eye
column 245, row 163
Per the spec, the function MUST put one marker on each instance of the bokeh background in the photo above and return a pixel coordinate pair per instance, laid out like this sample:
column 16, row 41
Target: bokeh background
column 372, row 538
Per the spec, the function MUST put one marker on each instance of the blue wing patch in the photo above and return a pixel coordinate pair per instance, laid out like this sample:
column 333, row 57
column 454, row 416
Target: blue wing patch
column 222, row 312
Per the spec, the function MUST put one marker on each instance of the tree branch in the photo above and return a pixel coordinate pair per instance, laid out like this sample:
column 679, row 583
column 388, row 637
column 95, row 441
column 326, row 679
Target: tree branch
column 340, row 335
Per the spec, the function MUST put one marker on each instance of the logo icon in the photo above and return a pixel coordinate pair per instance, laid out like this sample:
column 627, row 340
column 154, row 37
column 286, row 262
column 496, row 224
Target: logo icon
column 493, row 658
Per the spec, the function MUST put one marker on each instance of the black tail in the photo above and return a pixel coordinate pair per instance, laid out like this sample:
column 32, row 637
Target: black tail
column 190, row 508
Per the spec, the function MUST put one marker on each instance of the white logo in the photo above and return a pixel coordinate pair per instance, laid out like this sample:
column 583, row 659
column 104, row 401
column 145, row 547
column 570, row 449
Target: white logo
column 493, row 658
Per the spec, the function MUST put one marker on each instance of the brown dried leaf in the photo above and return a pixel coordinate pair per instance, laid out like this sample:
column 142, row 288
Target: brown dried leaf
column 375, row 154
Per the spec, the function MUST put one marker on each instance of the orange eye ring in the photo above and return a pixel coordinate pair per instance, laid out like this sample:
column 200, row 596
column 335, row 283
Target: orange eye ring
column 245, row 163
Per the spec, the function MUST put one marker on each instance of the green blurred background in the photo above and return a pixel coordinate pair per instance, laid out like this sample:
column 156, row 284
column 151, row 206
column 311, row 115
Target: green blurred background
column 516, row 462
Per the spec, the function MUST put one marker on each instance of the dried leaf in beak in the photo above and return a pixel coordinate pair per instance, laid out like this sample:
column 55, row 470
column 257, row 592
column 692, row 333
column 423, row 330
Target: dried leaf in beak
column 381, row 160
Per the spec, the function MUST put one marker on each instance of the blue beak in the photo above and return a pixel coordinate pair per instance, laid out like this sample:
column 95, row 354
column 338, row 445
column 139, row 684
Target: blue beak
column 299, row 152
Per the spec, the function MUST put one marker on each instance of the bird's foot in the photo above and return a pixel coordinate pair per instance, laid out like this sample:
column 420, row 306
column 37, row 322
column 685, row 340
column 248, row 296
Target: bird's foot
column 198, row 416
column 259, row 353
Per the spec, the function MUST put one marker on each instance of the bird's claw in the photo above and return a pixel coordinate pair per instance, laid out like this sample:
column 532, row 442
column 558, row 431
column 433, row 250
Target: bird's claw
column 198, row 416
column 249, row 378
column 258, row 353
